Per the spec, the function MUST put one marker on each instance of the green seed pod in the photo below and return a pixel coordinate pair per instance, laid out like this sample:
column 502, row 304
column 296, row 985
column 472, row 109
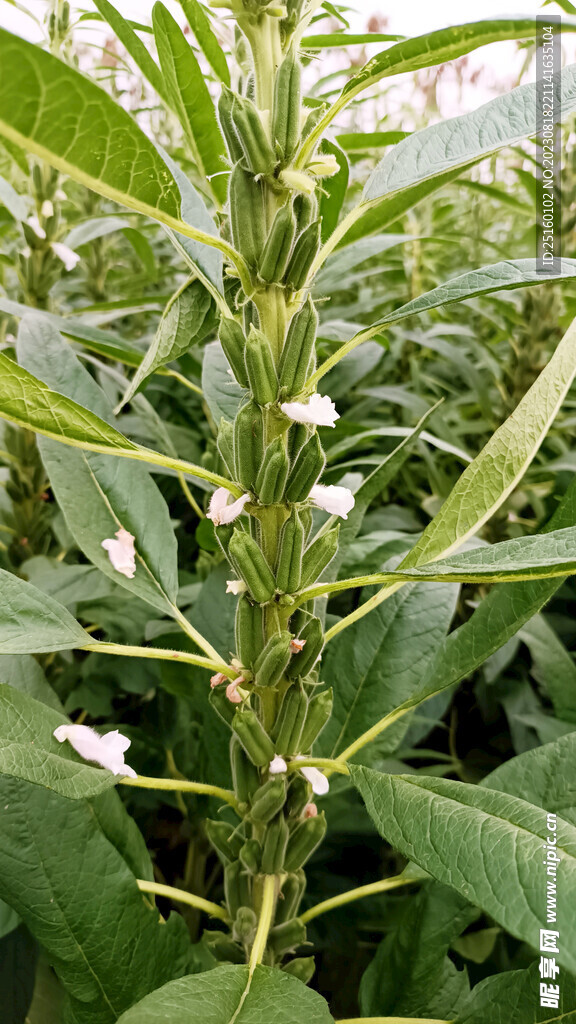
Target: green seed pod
column 273, row 660
column 221, row 704
column 224, row 839
column 260, row 368
column 248, row 444
column 259, row 155
column 223, row 948
column 302, row 258
column 227, row 125
column 274, row 847
column 318, row 556
column 289, row 567
column 305, row 210
column 305, row 471
column 313, row 633
column 298, row 348
column 284, row 938
column 249, row 631
column 286, row 120
column 271, row 479
column 303, row 841
column 251, row 856
column 278, row 246
column 236, row 887
column 319, row 711
column 298, row 796
column 245, row 775
column 247, row 218
column 253, row 737
column 245, row 925
column 268, row 800
column 298, row 435
column 225, row 444
column 302, row 967
column 290, row 897
column 291, row 721
column 233, row 342
column 252, row 566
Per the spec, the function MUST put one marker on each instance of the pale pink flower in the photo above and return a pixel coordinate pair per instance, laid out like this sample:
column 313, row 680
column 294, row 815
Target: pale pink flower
column 232, row 690
column 297, row 645
column 310, row 811
column 317, row 780
column 236, row 587
column 338, row 501
column 107, row 751
column 220, row 512
column 121, row 552
column 277, row 765
column 320, row 410
column 68, row 256
column 217, row 679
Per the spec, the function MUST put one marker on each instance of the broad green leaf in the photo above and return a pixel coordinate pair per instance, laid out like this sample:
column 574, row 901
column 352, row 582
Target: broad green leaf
column 411, row 974
column 191, row 99
column 97, row 494
column 96, row 227
column 333, row 190
column 136, row 48
column 207, row 41
column 222, row 393
column 79, row 899
column 23, row 672
column 499, row 866
column 379, row 662
column 552, row 666
column 76, row 127
column 29, row 751
column 31, row 622
column 47, row 1004
column 512, row 997
column 227, row 995
column 185, row 322
column 545, row 776
column 9, row 919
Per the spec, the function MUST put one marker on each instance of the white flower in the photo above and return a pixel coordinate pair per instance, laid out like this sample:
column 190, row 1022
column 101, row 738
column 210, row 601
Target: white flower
column 236, row 587
column 107, row 751
column 68, row 256
column 47, row 210
column 319, row 410
column 34, row 223
column 60, row 195
column 220, row 512
column 121, row 552
column 297, row 645
column 338, row 501
column 277, row 765
column 317, row 780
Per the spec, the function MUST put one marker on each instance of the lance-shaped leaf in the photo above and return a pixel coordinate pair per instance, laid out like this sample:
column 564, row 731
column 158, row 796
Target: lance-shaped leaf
column 498, row 867
column 207, row 41
column 191, row 99
column 32, row 622
column 185, row 322
column 52, row 110
column 79, row 899
column 227, row 995
column 135, row 47
column 29, row 751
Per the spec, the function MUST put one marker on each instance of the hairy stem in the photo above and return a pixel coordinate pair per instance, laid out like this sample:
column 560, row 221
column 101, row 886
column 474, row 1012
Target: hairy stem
column 372, row 889
column 181, row 896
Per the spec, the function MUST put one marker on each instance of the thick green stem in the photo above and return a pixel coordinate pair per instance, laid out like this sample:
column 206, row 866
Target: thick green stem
column 162, row 654
column 182, row 786
column 372, row 889
column 265, row 921
column 180, row 896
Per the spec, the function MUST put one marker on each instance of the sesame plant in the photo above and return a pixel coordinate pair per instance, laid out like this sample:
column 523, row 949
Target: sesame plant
column 330, row 668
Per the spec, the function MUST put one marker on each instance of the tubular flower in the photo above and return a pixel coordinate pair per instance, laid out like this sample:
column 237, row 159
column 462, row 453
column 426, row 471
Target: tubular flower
column 310, row 811
column 217, row 679
column 107, row 751
column 297, row 645
column 232, row 690
column 121, row 552
column 338, row 501
column 320, row 410
column 317, row 780
column 68, row 256
column 37, row 228
column 220, row 512
column 277, row 765
column 235, row 586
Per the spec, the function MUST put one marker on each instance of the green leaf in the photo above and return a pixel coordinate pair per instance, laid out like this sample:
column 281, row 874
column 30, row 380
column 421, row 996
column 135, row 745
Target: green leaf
column 207, row 41
column 185, row 321
column 499, row 866
column 222, row 393
column 23, row 672
column 30, row 752
column 191, row 100
column 95, row 227
column 512, row 998
column 13, row 202
column 79, row 899
column 333, row 190
column 552, row 665
column 360, row 142
column 379, row 662
column 18, row 957
column 333, row 39
column 97, row 494
column 545, row 776
column 227, row 995
column 32, row 622
column 135, row 47
column 411, row 974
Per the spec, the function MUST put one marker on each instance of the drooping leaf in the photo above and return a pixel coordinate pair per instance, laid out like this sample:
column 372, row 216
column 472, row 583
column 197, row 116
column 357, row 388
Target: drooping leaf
column 95, row 227
column 498, row 868
column 207, row 41
column 512, row 997
column 191, row 99
column 545, row 776
column 79, row 899
column 23, row 672
column 227, row 995
column 336, row 39
column 221, row 391
column 32, row 622
column 334, row 190
column 135, row 47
